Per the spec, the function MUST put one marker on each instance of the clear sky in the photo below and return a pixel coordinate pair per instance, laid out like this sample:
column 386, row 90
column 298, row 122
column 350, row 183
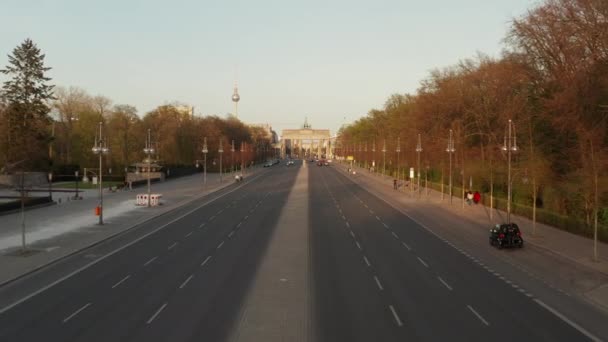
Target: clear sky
column 331, row 60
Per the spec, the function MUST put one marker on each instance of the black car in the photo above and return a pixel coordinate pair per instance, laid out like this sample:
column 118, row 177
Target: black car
column 506, row 235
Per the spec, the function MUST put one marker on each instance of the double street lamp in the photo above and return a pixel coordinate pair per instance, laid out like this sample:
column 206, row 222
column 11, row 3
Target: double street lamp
column 398, row 150
column 221, row 152
column 509, row 146
column 100, row 148
column 205, row 151
column 450, row 150
column 384, row 158
column 149, row 150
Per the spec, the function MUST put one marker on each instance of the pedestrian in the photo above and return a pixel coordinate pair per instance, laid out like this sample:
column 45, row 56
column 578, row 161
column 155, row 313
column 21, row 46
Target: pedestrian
column 469, row 197
column 395, row 184
column 476, row 197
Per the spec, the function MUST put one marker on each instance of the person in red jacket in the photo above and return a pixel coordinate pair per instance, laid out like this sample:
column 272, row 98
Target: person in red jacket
column 476, row 197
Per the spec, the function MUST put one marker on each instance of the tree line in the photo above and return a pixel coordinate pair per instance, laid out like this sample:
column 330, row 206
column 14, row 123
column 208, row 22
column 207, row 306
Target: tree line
column 47, row 128
column 551, row 80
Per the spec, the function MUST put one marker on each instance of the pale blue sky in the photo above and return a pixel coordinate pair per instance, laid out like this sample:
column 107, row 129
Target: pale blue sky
column 323, row 59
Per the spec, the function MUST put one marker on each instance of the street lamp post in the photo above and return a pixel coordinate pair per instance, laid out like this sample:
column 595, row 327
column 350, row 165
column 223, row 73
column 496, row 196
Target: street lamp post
column 398, row 150
column 51, row 186
column 221, row 152
column 205, row 151
column 149, row 150
column 384, row 158
column 374, row 156
column 232, row 150
column 100, row 148
column 419, row 150
column 509, row 146
column 242, row 159
column 450, row 150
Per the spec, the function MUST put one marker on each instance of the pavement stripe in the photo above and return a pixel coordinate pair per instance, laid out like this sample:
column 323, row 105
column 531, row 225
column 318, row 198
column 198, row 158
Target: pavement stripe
column 347, row 224
column 187, row 235
column 378, row 283
column 202, row 225
column 151, row 260
column 396, row 236
column 366, row 261
column 76, row 312
column 156, row 313
column 385, row 226
column 240, row 223
column 186, row 281
column 568, row 321
column 206, row 259
column 172, row 245
column 231, row 233
column 478, row 315
column 406, row 246
column 352, row 234
column 397, row 319
column 444, row 283
column 121, row 281
column 422, row 262
column 220, row 245
column 358, row 245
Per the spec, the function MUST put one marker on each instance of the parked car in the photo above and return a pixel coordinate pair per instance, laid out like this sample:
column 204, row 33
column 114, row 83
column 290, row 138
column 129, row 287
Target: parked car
column 268, row 164
column 506, row 235
column 289, row 163
column 238, row 178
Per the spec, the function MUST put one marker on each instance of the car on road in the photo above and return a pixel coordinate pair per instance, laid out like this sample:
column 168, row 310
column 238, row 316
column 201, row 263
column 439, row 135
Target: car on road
column 506, row 235
column 268, row 164
column 238, row 178
column 289, row 163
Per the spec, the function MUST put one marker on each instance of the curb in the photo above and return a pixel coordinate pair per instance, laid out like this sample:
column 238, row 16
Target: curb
column 118, row 234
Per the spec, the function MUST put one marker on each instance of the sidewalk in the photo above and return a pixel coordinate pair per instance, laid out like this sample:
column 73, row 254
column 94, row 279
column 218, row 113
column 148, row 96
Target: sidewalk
column 574, row 251
column 56, row 231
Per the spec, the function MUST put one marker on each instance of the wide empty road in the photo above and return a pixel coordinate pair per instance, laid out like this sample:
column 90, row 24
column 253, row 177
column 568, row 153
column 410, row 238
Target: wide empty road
column 295, row 253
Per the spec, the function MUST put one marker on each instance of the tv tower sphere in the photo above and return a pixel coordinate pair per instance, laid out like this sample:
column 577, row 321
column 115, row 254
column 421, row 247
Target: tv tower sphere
column 235, row 96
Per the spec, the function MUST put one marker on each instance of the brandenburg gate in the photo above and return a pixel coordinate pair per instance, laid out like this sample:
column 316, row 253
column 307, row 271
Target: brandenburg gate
column 305, row 142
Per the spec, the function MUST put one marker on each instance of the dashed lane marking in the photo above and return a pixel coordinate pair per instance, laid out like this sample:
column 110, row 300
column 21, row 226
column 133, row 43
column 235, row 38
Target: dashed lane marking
column 478, row 315
column 422, row 262
column 358, row 245
column 444, row 283
column 366, row 261
column 396, row 236
column 206, row 260
column 406, row 246
column 121, row 281
column 395, row 316
column 156, row 313
column 220, row 245
column 187, row 235
column 172, row 245
column 202, row 225
column 378, row 283
column 231, row 233
column 150, row 261
column 186, row 281
column 76, row 312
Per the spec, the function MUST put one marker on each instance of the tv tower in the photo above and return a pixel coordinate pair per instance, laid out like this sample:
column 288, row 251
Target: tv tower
column 235, row 99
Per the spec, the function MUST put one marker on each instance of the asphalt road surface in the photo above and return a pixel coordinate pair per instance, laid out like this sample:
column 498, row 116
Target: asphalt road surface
column 296, row 254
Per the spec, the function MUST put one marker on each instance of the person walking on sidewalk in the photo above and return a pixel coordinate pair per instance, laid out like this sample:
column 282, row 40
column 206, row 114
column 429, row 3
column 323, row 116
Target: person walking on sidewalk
column 469, row 197
column 476, row 197
column 395, row 184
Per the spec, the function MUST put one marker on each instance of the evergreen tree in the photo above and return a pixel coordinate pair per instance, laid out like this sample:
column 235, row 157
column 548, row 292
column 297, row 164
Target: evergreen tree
column 25, row 93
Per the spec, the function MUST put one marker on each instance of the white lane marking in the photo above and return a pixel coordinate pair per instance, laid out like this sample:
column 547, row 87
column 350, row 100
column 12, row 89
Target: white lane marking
column 529, row 295
column 366, row 261
column 149, row 261
column 478, row 315
column 172, row 245
column 121, row 281
column 251, row 211
column 220, row 245
column 358, row 245
column 444, row 283
column 240, row 223
column 365, row 205
column 211, row 218
column 187, row 235
column 397, row 319
column 347, row 224
column 156, row 313
column 378, row 283
column 406, row 246
column 396, row 236
column 371, row 211
column 202, row 225
column 206, row 259
column 219, row 212
column 246, row 217
column 231, row 233
column 50, row 249
column 76, row 312
column 385, row 226
column 377, row 218
column 186, row 281
column 422, row 262
column 344, row 218
column 352, row 234
column 565, row 319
